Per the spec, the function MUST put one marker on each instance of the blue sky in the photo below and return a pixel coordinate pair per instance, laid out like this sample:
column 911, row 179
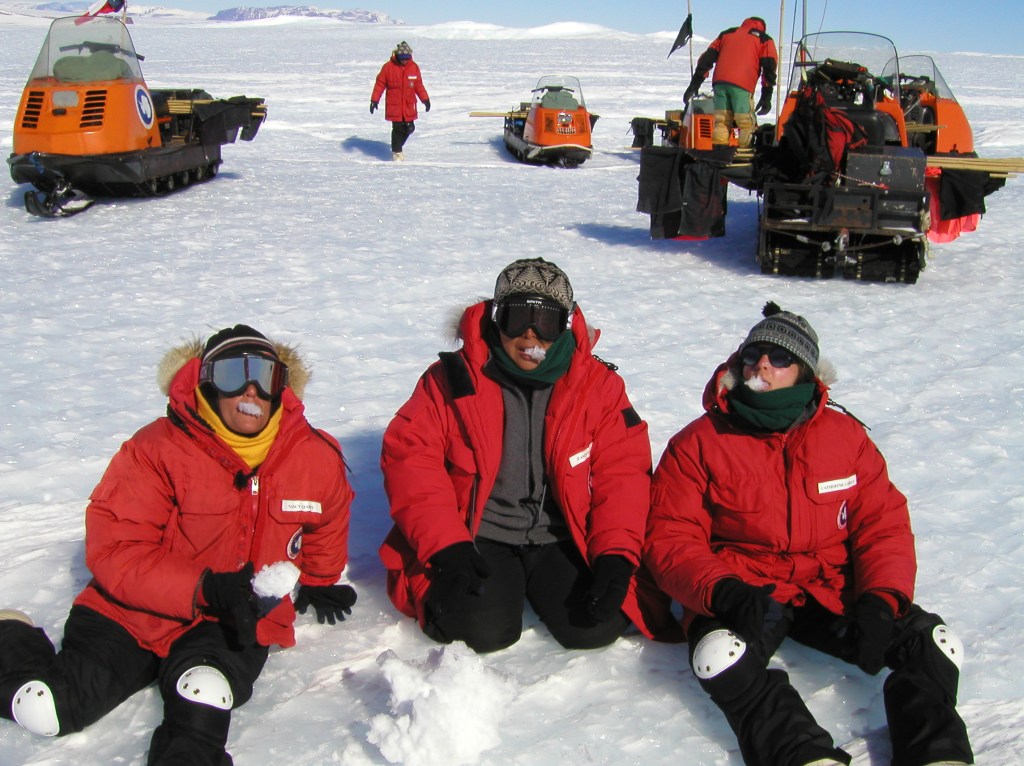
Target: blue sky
column 914, row 25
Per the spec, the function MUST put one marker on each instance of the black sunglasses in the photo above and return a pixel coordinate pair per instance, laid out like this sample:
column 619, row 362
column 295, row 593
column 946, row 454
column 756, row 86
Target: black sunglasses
column 778, row 357
column 514, row 316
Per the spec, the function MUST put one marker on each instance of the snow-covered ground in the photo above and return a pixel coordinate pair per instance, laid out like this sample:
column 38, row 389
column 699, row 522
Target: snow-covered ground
column 310, row 235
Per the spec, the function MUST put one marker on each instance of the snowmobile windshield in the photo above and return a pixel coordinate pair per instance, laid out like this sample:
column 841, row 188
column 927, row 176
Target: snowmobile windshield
column 918, row 72
column 558, row 92
column 87, row 49
column 858, row 57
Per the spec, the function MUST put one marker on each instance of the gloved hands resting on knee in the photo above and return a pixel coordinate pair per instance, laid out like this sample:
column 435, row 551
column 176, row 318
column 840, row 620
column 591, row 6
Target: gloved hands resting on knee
column 611, row 575
column 745, row 609
column 331, row 602
column 458, row 571
column 228, row 596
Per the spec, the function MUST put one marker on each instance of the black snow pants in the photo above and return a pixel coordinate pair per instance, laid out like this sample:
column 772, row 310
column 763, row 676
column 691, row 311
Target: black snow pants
column 100, row 665
column 400, row 132
column 553, row 578
column 774, row 726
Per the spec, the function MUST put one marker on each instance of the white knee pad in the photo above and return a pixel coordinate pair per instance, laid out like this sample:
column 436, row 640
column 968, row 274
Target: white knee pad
column 949, row 644
column 34, row 709
column 718, row 651
column 206, row 686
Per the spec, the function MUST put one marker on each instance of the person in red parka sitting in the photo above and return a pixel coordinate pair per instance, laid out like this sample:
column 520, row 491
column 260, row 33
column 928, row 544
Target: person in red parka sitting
column 773, row 515
column 741, row 56
column 195, row 537
column 401, row 82
column 518, row 472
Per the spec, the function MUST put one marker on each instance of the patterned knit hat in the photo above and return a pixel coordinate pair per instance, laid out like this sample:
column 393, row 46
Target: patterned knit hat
column 403, row 49
column 534, row 276
column 788, row 331
column 238, row 340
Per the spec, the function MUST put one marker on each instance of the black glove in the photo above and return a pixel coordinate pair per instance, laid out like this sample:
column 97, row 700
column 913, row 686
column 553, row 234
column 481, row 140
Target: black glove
column 764, row 104
column 690, row 93
column 426, row 104
column 608, row 590
column 331, row 602
column 872, row 626
column 745, row 609
column 373, row 106
column 229, row 598
column 458, row 571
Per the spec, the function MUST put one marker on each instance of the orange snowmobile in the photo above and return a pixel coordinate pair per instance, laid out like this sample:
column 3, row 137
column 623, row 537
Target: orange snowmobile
column 554, row 127
column 88, row 126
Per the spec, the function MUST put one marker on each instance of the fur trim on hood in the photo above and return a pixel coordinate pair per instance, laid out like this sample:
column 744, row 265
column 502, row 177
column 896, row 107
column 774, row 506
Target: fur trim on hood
column 298, row 374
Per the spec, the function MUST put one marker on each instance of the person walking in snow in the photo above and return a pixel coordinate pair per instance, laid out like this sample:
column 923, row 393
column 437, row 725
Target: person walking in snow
column 401, row 82
column 773, row 515
column 740, row 57
column 233, row 481
column 518, row 471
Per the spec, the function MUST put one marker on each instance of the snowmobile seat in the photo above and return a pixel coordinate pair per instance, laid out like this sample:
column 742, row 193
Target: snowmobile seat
column 879, row 128
column 101, row 65
column 559, row 99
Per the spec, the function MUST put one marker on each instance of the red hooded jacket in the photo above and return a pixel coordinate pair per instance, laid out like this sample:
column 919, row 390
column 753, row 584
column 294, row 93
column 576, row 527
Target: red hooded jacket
column 402, row 84
column 176, row 501
column 442, row 451
column 741, row 55
column 811, row 511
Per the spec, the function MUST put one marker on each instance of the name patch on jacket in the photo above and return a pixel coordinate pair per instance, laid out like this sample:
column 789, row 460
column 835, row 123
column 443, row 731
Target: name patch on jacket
column 579, row 457
column 301, row 506
column 836, row 485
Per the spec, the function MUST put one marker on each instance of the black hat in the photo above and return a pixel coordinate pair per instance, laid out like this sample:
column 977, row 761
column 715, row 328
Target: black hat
column 238, row 340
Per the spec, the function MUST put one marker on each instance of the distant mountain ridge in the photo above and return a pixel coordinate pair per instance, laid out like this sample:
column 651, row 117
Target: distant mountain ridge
column 246, row 13
column 241, row 13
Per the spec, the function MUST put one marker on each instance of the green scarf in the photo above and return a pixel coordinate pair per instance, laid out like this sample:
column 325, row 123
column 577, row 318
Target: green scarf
column 555, row 363
column 771, row 410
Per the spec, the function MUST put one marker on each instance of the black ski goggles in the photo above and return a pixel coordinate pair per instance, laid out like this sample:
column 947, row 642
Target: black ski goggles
column 516, row 315
column 232, row 375
column 778, row 357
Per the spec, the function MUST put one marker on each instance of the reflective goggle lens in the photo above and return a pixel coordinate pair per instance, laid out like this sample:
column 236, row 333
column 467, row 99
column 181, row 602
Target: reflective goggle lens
column 778, row 357
column 231, row 376
column 516, row 315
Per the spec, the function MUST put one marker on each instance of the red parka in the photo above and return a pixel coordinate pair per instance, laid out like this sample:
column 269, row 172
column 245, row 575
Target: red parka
column 402, row 84
column 176, row 501
column 442, row 451
column 810, row 511
column 741, row 56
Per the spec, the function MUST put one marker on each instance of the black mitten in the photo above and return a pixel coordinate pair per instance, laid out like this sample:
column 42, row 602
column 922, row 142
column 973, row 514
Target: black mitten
column 229, row 598
column 608, row 590
column 745, row 609
column 873, row 623
column 458, row 571
column 331, row 602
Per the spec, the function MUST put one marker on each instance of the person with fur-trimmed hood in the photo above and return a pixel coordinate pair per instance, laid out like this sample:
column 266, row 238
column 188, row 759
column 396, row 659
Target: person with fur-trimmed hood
column 401, row 82
column 519, row 472
column 773, row 515
column 195, row 537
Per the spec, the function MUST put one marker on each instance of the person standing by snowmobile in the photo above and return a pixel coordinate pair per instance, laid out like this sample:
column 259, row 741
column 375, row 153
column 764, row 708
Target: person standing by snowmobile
column 233, row 481
column 518, row 471
column 773, row 515
column 740, row 57
column 401, row 82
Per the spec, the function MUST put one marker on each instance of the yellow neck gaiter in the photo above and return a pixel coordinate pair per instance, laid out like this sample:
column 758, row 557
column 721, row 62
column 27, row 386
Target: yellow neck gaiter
column 252, row 449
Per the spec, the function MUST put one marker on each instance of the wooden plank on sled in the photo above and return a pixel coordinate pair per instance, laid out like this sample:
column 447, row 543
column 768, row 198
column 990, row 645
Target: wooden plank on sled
column 185, row 105
column 514, row 113
column 993, row 165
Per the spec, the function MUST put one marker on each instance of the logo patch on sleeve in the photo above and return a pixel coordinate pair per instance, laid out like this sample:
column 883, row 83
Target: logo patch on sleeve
column 836, row 485
column 580, row 457
column 301, row 506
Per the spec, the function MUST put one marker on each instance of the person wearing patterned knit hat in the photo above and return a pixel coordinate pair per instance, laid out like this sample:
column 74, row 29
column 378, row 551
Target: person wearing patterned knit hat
column 518, row 472
column 195, row 537
column 773, row 516
column 401, row 82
